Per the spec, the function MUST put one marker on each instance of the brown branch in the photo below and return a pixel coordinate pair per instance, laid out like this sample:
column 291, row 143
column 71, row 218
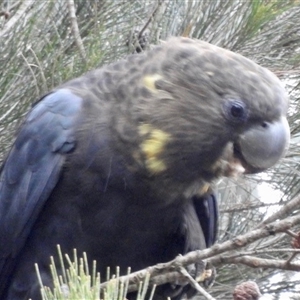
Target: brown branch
column 250, row 206
column 32, row 72
column 169, row 272
column 291, row 258
column 160, row 2
column 40, row 69
column 267, row 251
column 12, row 6
column 75, row 29
column 15, row 18
column 284, row 211
column 195, row 284
column 242, row 240
column 292, row 234
column 255, row 262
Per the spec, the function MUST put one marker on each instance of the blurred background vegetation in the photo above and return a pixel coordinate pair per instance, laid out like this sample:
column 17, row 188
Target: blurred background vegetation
column 45, row 42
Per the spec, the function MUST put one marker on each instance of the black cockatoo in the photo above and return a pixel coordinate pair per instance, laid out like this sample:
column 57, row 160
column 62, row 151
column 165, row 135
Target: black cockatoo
column 117, row 162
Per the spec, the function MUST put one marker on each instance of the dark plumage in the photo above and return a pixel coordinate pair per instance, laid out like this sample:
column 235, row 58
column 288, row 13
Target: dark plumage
column 117, row 162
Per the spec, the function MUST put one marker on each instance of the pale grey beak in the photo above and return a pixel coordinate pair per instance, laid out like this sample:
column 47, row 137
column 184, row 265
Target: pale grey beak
column 263, row 145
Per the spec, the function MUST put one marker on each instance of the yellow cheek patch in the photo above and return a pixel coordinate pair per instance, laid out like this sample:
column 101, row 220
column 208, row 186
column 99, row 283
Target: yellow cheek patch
column 149, row 81
column 145, row 129
column 204, row 189
column 153, row 146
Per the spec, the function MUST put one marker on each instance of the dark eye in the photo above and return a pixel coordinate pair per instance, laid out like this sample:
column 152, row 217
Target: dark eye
column 236, row 111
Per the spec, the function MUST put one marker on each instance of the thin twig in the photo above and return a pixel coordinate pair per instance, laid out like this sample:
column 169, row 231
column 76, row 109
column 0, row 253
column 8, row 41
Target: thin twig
column 247, row 207
column 13, row 20
column 288, row 261
column 40, row 68
column 255, row 262
column 11, row 6
column 284, row 211
column 292, row 233
column 160, row 2
column 268, row 251
column 195, row 284
column 167, row 271
column 32, row 72
column 75, row 29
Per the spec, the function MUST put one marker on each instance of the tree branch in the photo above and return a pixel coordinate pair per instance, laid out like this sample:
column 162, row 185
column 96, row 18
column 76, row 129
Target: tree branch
column 15, row 18
column 255, row 262
column 160, row 2
column 283, row 211
column 170, row 271
column 75, row 29
column 195, row 284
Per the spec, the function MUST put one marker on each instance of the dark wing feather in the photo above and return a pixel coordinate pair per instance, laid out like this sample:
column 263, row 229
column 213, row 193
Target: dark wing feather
column 199, row 231
column 206, row 207
column 32, row 170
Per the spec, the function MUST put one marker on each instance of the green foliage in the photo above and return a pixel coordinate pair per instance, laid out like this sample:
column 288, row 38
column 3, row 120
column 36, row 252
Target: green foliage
column 38, row 52
column 263, row 12
column 76, row 282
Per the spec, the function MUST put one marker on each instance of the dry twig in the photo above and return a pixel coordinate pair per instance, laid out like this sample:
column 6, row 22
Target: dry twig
column 170, row 271
column 195, row 284
column 284, row 211
column 16, row 17
column 75, row 29
column 255, row 262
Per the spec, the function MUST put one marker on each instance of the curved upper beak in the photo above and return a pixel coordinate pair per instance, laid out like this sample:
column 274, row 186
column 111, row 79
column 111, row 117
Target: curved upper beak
column 263, row 145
